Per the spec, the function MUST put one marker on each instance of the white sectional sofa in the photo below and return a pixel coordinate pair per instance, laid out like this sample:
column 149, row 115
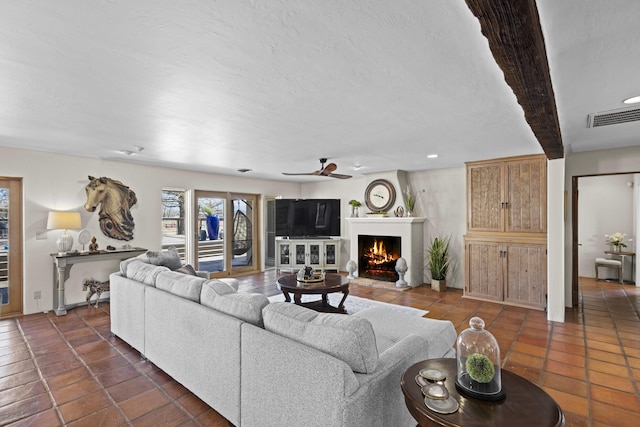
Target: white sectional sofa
column 272, row 364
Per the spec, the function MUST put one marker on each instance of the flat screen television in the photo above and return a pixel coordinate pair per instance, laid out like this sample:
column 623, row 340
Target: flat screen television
column 304, row 218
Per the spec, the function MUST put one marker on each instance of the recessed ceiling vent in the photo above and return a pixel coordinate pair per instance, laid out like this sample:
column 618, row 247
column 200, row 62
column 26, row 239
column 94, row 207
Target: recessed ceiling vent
column 613, row 117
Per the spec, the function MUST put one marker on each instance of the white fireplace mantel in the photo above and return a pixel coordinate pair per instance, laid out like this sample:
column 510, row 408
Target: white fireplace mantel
column 410, row 230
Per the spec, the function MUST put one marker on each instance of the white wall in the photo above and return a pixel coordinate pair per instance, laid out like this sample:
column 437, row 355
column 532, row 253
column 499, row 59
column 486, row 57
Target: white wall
column 56, row 182
column 555, row 242
column 591, row 163
column 605, row 206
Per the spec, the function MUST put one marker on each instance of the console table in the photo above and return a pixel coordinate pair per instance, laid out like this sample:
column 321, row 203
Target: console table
column 623, row 255
column 62, row 265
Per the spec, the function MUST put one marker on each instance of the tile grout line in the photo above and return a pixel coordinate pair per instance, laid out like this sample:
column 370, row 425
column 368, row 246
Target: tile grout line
column 620, row 341
column 37, row 366
column 587, row 379
column 86, row 366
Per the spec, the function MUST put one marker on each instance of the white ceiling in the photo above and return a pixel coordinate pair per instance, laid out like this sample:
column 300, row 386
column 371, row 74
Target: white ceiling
column 274, row 85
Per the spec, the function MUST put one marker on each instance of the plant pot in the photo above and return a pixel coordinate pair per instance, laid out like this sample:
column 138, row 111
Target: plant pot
column 213, row 226
column 438, row 285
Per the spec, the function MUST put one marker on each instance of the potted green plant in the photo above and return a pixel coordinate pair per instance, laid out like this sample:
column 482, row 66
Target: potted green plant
column 438, row 261
column 354, row 207
column 410, row 200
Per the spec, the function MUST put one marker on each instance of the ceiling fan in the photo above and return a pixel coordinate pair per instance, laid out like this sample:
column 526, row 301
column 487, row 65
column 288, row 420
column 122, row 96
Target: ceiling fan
column 323, row 171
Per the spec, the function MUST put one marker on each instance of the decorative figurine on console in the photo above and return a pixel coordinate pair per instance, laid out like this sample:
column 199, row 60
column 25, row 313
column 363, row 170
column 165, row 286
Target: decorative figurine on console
column 93, row 246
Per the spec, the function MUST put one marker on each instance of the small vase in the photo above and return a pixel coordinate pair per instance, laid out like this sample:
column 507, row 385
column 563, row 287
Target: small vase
column 617, row 248
column 409, row 213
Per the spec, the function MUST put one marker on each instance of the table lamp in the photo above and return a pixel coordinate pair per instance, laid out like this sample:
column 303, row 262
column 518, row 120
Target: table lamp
column 64, row 221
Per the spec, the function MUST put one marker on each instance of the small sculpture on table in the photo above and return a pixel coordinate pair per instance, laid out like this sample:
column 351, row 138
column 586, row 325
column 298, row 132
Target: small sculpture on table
column 305, row 273
column 93, row 246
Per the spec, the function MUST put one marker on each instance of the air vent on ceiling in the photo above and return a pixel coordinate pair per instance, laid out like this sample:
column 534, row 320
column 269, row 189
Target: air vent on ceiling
column 613, row 117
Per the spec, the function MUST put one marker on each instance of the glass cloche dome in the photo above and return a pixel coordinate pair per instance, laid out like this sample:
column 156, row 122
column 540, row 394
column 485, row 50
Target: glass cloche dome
column 479, row 363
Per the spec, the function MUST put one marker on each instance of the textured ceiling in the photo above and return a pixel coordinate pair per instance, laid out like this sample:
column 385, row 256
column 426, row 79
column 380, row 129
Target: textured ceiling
column 274, row 85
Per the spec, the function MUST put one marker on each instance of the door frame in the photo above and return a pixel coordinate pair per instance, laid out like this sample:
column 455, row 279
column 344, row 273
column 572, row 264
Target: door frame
column 228, row 242
column 575, row 291
column 15, row 262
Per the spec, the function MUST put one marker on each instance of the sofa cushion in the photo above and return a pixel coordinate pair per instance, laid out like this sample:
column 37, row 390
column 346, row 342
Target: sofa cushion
column 143, row 272
column 126, row 262
column 348, row 338
column 168, row 258
column 390, row 327
column 182, row 285
column 224, row 298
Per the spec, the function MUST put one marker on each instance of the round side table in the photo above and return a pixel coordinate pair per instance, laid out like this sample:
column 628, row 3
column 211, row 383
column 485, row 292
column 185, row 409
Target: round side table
column 525, row 403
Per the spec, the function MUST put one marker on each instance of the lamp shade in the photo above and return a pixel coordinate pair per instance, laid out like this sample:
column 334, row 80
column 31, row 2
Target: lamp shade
column 63, row 220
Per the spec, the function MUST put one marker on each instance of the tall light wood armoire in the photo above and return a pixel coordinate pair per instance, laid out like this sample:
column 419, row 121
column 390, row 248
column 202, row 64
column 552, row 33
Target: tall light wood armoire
column 506, row 240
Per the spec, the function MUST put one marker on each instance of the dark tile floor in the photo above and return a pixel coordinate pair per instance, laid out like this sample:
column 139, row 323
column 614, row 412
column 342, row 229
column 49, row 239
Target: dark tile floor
column 70, row 371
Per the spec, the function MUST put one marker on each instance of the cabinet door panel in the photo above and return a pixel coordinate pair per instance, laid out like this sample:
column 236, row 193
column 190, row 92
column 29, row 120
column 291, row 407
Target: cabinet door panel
column 315, row 254
column 331, row 255
column 484, row 204
column 300, row 251
column 527, row 196
column 283, row 252
column 526, row 274
column 484, row 270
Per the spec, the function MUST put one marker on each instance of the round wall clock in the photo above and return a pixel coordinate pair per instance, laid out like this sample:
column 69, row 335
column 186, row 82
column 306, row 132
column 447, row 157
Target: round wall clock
column 380, row 195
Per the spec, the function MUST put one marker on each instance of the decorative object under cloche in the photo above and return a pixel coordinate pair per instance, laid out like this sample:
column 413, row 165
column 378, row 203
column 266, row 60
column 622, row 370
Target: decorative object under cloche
column 478, row 354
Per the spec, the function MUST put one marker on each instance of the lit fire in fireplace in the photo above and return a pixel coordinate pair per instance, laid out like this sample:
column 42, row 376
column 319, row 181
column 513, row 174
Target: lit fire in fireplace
column 377, row 254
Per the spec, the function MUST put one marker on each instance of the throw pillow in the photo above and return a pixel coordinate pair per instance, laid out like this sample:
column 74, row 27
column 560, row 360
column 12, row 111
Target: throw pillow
column 168, row 258
column 187, row 269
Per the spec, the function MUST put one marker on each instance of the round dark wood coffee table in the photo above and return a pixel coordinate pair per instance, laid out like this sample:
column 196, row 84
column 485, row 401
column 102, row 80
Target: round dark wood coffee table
column 332, row 283
column 525, row 403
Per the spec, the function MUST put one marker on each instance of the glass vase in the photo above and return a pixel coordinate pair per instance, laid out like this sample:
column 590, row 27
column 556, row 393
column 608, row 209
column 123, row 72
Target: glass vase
column 478, row 355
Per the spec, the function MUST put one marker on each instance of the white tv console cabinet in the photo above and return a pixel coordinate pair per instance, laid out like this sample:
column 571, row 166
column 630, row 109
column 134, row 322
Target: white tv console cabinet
column 321, row 254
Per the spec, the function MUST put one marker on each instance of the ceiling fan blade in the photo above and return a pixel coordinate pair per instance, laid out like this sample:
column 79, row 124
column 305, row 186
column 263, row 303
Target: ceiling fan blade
column 324, row 171
column 328, row 169
column 339, row 176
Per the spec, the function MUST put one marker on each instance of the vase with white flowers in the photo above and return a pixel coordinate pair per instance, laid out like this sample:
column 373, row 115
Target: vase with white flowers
column 410, row 199
column 617, row 240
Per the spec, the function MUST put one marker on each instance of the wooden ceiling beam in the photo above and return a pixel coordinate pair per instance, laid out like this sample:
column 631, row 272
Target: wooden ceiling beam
column 513, row 30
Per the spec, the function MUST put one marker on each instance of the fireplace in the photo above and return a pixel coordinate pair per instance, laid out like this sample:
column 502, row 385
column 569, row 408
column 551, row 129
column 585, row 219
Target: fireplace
column 377, row 256
column 410, row 231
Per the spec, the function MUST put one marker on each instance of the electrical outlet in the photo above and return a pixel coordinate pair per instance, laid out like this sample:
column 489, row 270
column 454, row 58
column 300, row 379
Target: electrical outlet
column 37, row 295
column 41, row 235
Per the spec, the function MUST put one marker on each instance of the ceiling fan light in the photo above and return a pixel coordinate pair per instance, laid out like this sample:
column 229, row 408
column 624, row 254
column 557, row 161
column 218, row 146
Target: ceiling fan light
column 632, row 100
